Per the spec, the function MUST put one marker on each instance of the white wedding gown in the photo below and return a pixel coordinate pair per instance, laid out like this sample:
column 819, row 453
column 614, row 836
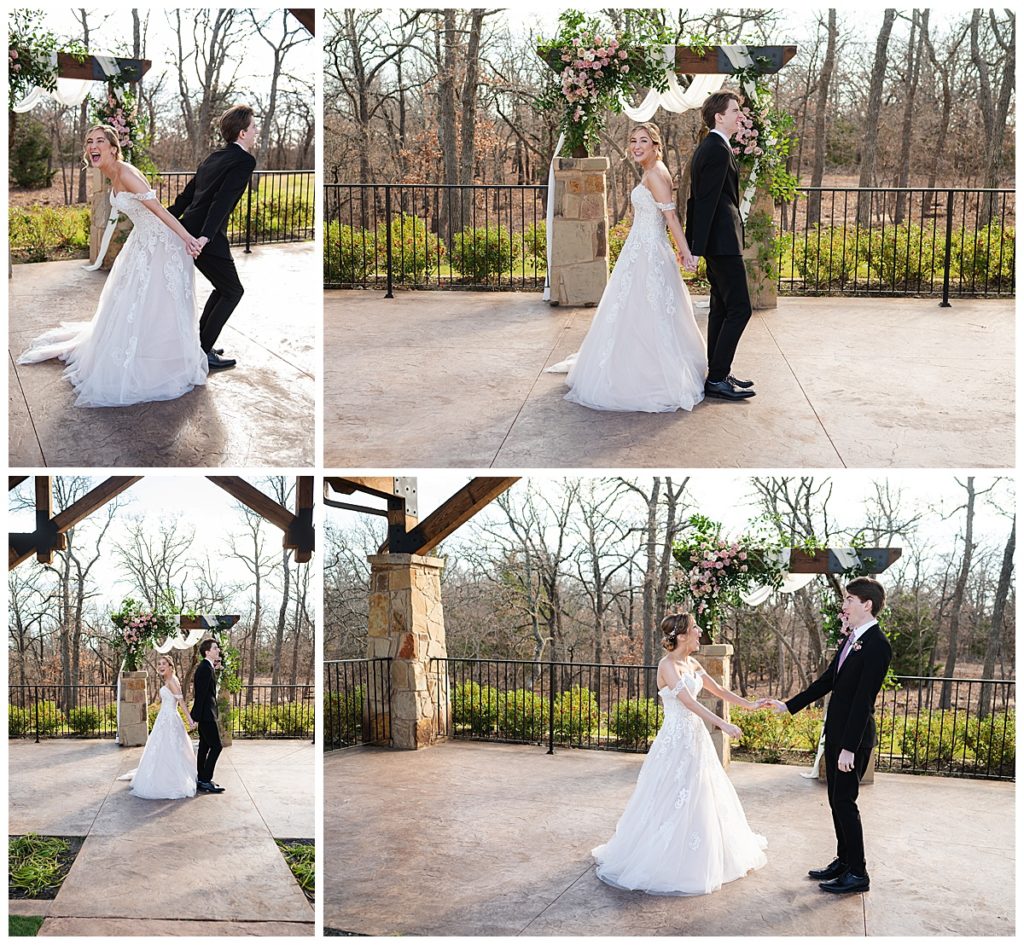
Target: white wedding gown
column 167, row 768
column 644, row 351
column 683, row 832
column 143, row 342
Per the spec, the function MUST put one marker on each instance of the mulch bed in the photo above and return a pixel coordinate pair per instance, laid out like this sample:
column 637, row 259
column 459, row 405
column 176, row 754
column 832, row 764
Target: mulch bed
column 65, row 860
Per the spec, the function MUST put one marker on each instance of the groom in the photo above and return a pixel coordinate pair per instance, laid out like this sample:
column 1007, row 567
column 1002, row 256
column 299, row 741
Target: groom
column 204, row 207
column 854, row 678
column 204, row 714
column 714, row 230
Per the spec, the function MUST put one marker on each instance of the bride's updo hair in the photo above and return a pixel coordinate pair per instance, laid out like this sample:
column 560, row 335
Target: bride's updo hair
column 167, row 660
column 110, row 135
column 652, row 132
column 675, row 626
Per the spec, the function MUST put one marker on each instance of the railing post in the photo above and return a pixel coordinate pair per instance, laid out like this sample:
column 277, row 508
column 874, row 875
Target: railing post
column 248, row 216
column 949, row 250
column 36, row 704
column 390, row 294
column 551, row 706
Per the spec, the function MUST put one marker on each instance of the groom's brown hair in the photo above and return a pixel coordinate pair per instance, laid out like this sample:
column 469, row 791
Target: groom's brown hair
column 716, row 104
column 204, row 647
column 868, row 589
column 234, row 121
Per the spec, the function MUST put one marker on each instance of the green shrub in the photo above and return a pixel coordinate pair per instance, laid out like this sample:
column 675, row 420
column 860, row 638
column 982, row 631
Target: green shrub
column 984, row 257
column 19, row 721
column 293, row 718
column 51, row 719
column 30, row 155
column 827, row 256
column 257, row 719
column 474, row 707
column 993, row 740
column 522, row 715
column 343, row 717
column 38, row 234
column 635, row 721
column 577, row 714
column 763, row 732
column 84, row 720
column 903, row 255
column 937, row 739
column 534, row 241
column 415, row 251
column 483, row 252
column 348, row 254
column 803, row 730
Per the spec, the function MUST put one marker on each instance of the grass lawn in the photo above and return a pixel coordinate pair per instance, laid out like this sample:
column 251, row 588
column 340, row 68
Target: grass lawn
column 20, row 925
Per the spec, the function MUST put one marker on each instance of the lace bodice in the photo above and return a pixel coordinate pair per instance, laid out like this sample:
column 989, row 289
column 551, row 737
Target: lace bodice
column 647, row 212
column 167, row 697
column 693, row 682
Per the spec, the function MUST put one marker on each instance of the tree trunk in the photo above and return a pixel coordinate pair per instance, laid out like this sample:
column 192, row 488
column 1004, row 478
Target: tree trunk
column 447, row 131
column 957, row 602
column 995, row 630
column 869, row 140
column 920, row 22
column 821, row 108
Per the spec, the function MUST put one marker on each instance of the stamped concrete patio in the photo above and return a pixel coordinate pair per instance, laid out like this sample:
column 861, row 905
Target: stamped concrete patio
column 202, row 866
column 445, row 379
column 477, row 839
column 260, row 413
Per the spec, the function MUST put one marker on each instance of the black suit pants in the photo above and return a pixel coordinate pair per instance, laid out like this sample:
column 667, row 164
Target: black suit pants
column 209, row 749
column 843, row 788
column 227, row 293
column 729, row 312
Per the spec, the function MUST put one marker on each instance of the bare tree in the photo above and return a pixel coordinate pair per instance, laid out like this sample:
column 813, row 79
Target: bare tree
column 869, row 138
column 820, row 113
column 996, row 624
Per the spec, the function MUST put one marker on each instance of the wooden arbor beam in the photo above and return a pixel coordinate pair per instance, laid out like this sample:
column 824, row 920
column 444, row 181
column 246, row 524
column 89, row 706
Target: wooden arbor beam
column 715, row 60
column 50, row 529
column 199, row 623
column 88, row 67
column 299, row 534
column 307, row 18
column 826, row 561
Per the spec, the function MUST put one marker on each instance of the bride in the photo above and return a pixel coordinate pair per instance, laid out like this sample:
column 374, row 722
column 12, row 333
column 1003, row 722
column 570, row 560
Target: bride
column 143, row 341
column 644, row 350
column 167, row 768
column 683, row 832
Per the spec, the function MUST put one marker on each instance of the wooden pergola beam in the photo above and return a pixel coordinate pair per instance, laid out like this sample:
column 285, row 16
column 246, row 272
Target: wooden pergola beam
column 825, row 560
column 198, row 623
column 299, row 534
column 715, row 61
column 14, row 481
column 307, row 18
column 93, row 500
column 88, row 67
column 455, row 512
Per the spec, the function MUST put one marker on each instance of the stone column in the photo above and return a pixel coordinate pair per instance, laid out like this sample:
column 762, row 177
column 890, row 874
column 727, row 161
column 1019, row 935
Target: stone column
column 760, row 259
column 406, row 623
column 133, row 725
column 716, row 658
column 99, row 212
column 579, row 241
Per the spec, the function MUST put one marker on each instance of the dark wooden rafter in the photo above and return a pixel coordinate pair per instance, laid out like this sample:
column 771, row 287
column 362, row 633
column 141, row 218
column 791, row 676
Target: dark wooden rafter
column 198, row 623
column 299, row 534
column 306, row 17
column 14, row 481
column 50, row 529
column 715, row 61
column 70, row 66
column 407, row 535
column 825, row 560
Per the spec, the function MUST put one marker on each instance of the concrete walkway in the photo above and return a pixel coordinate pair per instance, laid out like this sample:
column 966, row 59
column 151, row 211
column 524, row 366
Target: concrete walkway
column 446, row 379
column 260, row 413
column 202, row 866
column 476, row 839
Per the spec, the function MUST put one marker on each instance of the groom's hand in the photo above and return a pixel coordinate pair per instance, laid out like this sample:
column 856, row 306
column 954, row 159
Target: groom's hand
column 846, row 760
column 202, row 241
column 776, row 706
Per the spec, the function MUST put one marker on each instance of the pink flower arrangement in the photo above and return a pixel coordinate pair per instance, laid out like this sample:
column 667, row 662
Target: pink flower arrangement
column 747, row 135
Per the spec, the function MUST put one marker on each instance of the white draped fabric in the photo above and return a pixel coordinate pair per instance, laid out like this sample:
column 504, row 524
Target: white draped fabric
column 549, row 220
column 68, row 91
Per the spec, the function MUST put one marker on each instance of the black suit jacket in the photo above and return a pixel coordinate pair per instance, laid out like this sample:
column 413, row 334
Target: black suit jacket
column 850, row 721
column 713, row 223
column 205, row 204
column 204, row 708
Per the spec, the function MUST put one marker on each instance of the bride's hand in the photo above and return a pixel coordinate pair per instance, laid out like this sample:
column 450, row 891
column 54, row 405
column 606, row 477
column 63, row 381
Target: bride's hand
column 733, row 731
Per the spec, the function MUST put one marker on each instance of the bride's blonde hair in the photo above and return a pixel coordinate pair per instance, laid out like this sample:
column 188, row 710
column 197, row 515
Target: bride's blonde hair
column 652, row 132
column 110, row 135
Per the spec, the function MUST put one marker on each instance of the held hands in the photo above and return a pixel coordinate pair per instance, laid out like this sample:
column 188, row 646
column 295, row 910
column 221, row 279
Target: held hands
column 846, row 760
column 193, row 246
column 687, row 260
column 774, row 704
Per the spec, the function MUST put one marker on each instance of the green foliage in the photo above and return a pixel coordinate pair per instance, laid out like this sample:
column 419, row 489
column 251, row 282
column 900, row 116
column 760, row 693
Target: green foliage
column 348, row 254
column 31, row 155
column 19, row 721
column 635, row 721
column 34, row 863
column 994, row 740
column 475, row 707
column 256, row 719
column 284, row 211
column 38, row 234
column 985, row 256
column 22, row 926
column 903, row 255
column 51, row 719
column 415, row 251
column 301, row 859
column 577, row 714
column 522, row 715
column 534, row 241
column 84, row 720
column 293, row 719
column 31, row 49
column 770, row 735
column 828, row 256
column 483, row 252
column 936, row 739
column 343, row 717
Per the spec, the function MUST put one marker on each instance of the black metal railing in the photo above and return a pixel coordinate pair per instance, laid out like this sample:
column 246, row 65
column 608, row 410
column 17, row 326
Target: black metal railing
column 435, row 236
column 357, row 702
column 583, row 705
column 277, row 207
column 283, row 711
column 61, row 711
column 897, row 241
column 91, row 711
column 970, row 734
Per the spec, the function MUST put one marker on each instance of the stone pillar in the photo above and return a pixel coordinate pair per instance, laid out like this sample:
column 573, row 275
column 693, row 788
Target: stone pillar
column 224, row 726
column 579, row 241
column 716, row 658
column 98, row 216
column 406, row 623
column 133, row 725
column 759, row 256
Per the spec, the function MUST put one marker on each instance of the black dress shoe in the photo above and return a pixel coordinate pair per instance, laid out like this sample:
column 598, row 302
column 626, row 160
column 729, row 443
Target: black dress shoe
column 217, row 350
column 217, row 363
column 836, row 868
column 206, row 786
column 725, row 391
column 216, row 788
column 847, row 883
column 735, row 381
